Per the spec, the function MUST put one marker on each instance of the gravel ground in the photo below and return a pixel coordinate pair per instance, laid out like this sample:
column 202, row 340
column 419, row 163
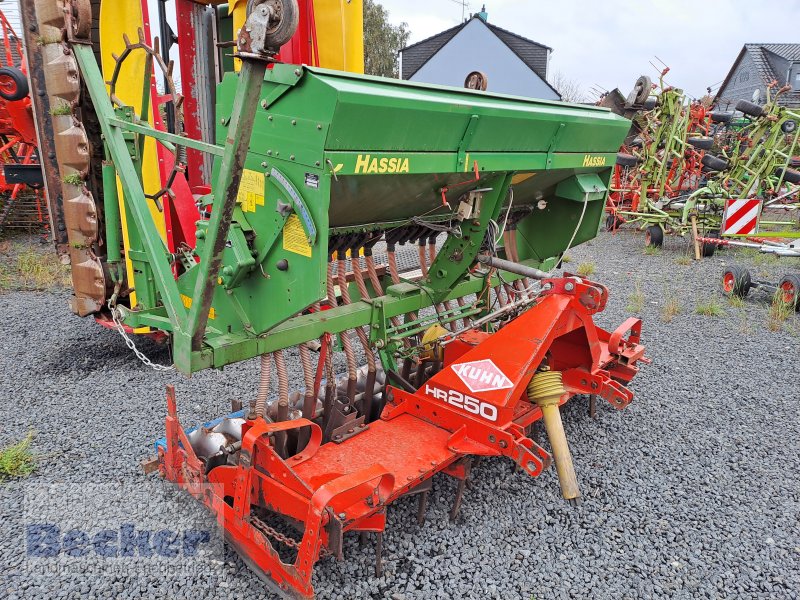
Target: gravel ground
column 692, row 492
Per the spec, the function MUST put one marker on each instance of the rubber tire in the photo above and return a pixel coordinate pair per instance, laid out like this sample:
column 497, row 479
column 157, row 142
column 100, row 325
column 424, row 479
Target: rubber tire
column 789, row 126
column 701, row 142
column 613, row 223
column 715, row 163
column 707, row 249
column 721, row 116
column 792, row 298
column 654, row 236
column 19, row 82
column 637, row 142
column 789, row 175
column 649, row 104
column 736, row 281
column 286, row 28
column 751, row 109
column 640, row 92
column 627, row 160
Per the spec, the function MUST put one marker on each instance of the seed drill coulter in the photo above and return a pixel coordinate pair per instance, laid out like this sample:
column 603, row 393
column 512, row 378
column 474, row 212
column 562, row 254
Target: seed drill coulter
column 269, row 214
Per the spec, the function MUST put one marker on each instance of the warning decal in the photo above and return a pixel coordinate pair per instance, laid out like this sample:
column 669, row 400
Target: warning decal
column 251, row 190
column 294, row 237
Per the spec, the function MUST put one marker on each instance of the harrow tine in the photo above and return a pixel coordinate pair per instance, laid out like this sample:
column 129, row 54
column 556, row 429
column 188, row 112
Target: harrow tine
column 593, row 406
column 462, row 484
column 422, row 507
column 379, row 554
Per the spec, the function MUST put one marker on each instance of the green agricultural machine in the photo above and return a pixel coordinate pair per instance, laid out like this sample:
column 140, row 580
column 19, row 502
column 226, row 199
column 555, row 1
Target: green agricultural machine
column 413, row 229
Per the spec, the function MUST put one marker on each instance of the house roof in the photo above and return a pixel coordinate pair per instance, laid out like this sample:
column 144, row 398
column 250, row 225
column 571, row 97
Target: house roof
column 763, row 56
column 416, row 55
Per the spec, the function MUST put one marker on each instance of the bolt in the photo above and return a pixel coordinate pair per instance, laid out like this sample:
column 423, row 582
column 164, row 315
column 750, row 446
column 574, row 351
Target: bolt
column 264, row 104
column 297, row 72
column 291, row 157
column 319, row 127
column 294, row 121
column 492, row 438
column 350, row 430
column 317, row 163
column 569, row 286
column 264, row 165
column 269, row 118
column 342, row 515
column 503, row 444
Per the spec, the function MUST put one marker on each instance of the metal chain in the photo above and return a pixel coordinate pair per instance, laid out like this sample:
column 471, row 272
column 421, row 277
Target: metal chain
column 278, row 536
column 132, row 346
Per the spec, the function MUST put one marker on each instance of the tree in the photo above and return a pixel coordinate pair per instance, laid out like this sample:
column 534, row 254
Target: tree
column 570, row 90
column 382, row 41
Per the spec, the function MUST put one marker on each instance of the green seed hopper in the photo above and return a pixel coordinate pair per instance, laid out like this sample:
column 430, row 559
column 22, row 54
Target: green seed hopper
column 318, row 162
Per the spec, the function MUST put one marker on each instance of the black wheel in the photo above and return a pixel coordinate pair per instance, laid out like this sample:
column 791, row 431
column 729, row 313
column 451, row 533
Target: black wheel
column 627, row 160
column 721, row 116
column 701, row 142
column 636, row 142
column 640, row 92
column 789, row 175
column 789, row 126
column 708, row 248
column 714, row 163
column 654, row 236
column 789, row 289
column 284, row 23
column 751, row 109
column 613, row 222
column 736, row 281
column 649, row 104
column 13, row 84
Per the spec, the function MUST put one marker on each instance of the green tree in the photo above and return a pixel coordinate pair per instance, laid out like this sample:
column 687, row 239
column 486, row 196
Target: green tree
column 382, row 41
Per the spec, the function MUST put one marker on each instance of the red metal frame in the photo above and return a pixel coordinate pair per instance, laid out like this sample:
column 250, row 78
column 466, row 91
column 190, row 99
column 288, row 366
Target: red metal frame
column 337, row 487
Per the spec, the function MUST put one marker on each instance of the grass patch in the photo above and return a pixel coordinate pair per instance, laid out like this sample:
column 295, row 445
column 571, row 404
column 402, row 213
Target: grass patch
column 73, row 179
column 585, row 269
column 636, row 299
column 17, row 460
column 671, row 309
column 566, row 259
column 63, row 109
column 779, row 311
column 652, row 250
column 736, row 301
column 33, row 271
column 684, row 260
column 710, row 307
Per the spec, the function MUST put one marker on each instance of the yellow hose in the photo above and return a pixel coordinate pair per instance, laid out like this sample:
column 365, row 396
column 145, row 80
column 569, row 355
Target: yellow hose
column 546, row 389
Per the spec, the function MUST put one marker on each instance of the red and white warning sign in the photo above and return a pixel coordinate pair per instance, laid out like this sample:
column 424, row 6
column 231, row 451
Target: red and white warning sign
column 741, row 217
column 482, row 376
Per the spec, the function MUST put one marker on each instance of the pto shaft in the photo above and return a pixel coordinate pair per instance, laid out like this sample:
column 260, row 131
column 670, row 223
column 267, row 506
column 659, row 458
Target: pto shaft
column 546, row 389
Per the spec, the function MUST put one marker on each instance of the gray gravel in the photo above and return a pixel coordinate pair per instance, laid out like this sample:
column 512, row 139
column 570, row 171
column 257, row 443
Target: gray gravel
column 692, row 492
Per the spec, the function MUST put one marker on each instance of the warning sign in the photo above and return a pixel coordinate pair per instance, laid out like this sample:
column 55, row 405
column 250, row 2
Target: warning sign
column 187, row 302
column 294, row 237
column 251, row 190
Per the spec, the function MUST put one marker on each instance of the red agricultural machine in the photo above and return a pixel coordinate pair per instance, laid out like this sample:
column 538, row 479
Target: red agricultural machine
column 282, row 208
column 19, row 161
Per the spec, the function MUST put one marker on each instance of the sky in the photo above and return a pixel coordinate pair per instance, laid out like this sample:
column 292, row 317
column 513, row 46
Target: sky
column 609, row 43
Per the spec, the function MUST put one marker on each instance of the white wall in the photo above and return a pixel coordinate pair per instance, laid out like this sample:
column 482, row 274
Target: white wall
column 476, row 48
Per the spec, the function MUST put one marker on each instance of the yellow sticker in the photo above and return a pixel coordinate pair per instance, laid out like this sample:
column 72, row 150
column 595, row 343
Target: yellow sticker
column 520, row 177
column 187, row 302
column 251, row 190
column 294, row 237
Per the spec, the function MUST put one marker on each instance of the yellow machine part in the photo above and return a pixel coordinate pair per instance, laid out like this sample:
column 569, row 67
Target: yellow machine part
column 119, row 18
column 340, row 32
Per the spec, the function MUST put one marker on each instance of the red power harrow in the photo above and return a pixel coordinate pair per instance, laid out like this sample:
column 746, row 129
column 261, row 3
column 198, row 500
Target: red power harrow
column 19, row 163
column 489, row 391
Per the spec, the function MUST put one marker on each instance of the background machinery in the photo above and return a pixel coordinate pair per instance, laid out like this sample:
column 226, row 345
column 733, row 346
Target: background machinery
column 283, row 233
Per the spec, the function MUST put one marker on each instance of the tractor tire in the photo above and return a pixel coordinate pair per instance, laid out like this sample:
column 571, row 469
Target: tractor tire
column 751, row 109
column 13, row 84
column 714, row 163
column 701, row 142
column 649, row 104
column 789, row 126
column 789, row 175
column 736, row 281
column 654, row 236
column 637, row 142
column 627, row 160
column 708, row 248
column 721, row 116
column 789, row 289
